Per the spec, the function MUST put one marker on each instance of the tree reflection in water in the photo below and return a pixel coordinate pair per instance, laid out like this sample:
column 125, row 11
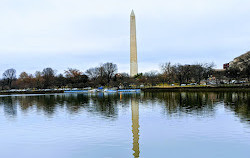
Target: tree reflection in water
column 195, row 103
column 239, row 103
column 175, row 103
column 9, row 106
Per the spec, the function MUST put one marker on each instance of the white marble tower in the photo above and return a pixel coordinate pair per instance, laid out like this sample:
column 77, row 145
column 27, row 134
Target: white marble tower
column 133, row 46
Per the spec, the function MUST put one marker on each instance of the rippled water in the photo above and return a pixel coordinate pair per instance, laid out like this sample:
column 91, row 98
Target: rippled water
column 148, row 125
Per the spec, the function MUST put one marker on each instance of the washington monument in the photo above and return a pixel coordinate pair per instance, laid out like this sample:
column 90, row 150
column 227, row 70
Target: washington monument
column 133, row 46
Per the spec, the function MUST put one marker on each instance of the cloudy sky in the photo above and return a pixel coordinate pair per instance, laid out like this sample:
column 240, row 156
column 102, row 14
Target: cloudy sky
column 35, row 34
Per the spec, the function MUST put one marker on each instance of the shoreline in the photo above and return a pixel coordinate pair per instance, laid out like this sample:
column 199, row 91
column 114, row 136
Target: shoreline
column 31, row 92
column 152, row 89
column 198, row 89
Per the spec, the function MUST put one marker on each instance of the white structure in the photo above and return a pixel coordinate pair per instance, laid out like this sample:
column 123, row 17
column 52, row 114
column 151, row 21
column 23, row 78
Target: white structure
column 133, row 46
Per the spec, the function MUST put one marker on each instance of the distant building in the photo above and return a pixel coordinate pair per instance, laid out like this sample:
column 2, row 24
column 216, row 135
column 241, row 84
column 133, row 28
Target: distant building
column 118, row 75
column 219, row 70
column 226, row 66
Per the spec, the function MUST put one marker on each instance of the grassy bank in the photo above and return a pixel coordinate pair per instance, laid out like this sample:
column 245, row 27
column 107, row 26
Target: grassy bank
column 197, row 89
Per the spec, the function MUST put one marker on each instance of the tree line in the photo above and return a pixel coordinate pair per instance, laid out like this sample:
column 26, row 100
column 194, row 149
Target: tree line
column 103, row 75
column 179, row 73
column 107, row 75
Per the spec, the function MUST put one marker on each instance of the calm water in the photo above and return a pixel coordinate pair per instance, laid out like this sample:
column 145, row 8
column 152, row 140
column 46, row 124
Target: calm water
column 146, row 125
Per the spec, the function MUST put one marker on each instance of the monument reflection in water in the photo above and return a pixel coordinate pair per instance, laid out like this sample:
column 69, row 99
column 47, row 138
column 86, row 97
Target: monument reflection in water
column 135, row 126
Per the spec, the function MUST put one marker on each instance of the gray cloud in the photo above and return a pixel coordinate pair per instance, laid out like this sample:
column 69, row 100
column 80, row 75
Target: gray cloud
column 80, row 34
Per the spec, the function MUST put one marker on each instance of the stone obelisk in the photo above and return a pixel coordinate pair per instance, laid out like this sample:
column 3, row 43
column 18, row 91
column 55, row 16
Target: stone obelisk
column 133, row 46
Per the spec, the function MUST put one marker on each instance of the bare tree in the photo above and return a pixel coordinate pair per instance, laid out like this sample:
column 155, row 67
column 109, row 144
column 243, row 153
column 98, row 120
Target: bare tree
column 93, row 73
column 109, row 71
column 39, row 80
column 209, row 69
column 97, row 75
column 197, row 71
column 9, row 75
column 71, row 73
column 60, row 81
column 167, row 72
column 48, row 76
column 75, row 78
column 151, row 77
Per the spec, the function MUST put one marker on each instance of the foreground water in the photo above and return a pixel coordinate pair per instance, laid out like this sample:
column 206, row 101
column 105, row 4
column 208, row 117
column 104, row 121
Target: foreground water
column 177, row 125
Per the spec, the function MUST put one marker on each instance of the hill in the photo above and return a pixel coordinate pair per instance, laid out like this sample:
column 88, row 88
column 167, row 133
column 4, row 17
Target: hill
column 241, row 62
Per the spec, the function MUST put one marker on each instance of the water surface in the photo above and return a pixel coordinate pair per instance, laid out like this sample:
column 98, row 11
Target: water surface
column 171, row 124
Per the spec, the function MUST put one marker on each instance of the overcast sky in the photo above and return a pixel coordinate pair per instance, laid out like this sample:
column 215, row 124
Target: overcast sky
column 35, row 34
